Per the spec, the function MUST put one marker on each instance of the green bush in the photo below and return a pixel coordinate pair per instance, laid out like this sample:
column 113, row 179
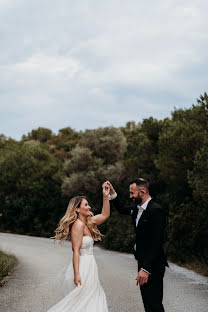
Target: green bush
column 7, row 262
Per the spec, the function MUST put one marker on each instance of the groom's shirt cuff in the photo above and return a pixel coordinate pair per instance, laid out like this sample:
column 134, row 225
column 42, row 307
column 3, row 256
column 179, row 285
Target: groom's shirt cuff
column 111, row 197
column 145, row 271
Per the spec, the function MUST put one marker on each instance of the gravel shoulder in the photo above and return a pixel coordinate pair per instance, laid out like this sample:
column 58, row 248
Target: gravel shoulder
column 34, row 285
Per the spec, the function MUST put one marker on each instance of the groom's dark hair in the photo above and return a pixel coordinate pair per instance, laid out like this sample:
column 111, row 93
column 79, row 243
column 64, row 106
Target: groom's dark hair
column 141, row 182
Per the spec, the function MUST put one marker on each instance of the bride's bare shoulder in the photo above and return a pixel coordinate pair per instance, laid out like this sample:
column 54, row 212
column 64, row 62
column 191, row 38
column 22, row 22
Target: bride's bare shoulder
column 78, row 226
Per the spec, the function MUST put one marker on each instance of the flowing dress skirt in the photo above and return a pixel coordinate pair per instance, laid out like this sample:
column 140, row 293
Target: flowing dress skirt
column 88, row 297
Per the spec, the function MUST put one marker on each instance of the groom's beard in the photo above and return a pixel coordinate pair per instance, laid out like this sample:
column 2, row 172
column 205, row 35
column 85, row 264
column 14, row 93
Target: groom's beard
column 137, row 200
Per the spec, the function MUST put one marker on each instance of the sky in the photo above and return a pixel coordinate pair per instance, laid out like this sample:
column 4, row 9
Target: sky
column 90, row 63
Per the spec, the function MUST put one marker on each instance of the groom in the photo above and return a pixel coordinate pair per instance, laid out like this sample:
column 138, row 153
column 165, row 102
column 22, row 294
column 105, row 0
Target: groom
column 149, row 223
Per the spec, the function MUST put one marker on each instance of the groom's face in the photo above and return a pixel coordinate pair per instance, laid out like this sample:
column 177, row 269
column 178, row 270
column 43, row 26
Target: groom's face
column 134, row 193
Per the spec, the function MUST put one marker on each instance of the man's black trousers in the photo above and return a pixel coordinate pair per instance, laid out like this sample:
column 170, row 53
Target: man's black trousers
column 152, row 291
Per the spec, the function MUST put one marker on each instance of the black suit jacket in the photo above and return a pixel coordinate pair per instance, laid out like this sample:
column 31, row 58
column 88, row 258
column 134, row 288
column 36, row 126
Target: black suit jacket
column 149, row 234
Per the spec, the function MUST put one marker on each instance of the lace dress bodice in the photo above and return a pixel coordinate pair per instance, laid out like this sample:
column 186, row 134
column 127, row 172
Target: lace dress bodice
column 87, row 246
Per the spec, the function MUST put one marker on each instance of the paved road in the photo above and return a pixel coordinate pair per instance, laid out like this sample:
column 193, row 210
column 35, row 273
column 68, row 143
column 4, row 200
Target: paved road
column 34, row 286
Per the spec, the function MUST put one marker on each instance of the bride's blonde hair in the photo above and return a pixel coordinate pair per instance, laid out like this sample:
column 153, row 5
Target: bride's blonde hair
column 63, row 231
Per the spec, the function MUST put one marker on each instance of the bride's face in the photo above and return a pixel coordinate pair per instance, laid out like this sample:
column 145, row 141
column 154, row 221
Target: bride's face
column 84, row 208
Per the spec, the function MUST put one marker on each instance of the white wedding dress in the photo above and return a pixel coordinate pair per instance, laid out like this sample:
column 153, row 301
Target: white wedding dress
column 88, row 297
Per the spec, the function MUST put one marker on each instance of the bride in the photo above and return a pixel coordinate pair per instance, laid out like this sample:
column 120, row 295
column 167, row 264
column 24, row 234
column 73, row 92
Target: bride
column 83, row 292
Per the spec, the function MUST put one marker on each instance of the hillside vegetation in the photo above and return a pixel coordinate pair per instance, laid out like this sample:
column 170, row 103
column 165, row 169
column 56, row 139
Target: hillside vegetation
column 42, row 171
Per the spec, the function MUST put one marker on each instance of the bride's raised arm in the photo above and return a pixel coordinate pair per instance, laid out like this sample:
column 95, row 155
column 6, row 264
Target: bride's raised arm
column 104, row 215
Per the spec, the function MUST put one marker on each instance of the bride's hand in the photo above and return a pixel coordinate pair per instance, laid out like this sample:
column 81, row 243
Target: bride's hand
column 112, row 191
column 77, row 280
column 106, row 189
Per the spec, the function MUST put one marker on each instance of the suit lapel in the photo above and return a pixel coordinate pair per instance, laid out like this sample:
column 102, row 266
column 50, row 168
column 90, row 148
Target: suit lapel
column 140, row 219
column 144, row 213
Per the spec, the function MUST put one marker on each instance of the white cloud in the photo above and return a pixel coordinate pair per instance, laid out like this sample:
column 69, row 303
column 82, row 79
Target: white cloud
column 95, row 63
column 48, row 65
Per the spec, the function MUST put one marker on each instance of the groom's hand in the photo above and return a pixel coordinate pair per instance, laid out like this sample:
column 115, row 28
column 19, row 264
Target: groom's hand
column 112, row 191
column 142, row 277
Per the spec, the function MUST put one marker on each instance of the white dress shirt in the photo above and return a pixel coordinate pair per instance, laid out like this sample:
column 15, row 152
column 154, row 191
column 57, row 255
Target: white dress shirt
column 141, row 209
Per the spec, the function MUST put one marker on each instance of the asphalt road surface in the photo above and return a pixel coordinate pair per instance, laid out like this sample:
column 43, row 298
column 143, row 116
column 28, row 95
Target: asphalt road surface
column 34, row 284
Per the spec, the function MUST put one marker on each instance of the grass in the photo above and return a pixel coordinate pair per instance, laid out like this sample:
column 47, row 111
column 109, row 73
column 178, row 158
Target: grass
column 197, row 267
column 7, row 262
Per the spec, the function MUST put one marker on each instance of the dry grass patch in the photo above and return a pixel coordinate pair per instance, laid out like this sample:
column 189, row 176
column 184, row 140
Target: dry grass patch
column 7, row 262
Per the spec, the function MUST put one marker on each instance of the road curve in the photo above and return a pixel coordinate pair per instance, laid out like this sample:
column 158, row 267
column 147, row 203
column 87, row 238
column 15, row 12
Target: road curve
column 34, row 285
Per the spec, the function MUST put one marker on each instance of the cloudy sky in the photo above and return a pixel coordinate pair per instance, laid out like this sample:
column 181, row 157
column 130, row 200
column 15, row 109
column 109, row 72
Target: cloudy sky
column 92, row 63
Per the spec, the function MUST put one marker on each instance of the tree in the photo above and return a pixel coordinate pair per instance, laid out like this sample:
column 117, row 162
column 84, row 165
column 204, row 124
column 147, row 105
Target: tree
column 181, row 138
column 30, row 194
column 142, row 150
column 40, row 134
column 197, row 179
column 106, row 143
column 96, row 159
column 86, row 173
column 130, row 125
column 180, row 163
column 62, row 144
